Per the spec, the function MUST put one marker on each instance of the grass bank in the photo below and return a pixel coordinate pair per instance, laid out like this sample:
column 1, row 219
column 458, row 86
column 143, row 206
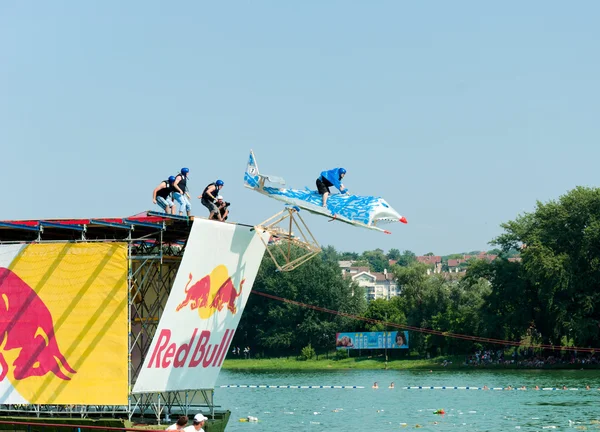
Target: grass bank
column 349, row 363
column 453, row 363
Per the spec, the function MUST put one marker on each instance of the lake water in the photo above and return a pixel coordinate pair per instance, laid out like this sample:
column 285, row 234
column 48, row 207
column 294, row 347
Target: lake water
column 395, row 409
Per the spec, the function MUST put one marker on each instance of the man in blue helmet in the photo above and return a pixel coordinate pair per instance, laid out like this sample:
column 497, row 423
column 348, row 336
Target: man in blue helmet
column 180, row 192
column 162, row 195
column 209, row 197
column 331, row 178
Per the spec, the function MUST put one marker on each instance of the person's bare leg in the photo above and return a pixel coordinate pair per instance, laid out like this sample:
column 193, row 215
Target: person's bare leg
column 325, row 195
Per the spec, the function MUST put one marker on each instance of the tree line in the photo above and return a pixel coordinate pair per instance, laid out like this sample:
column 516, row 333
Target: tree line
column 550, row 296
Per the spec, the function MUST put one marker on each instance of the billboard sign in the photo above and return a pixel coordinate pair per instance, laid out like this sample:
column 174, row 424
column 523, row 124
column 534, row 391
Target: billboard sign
column 63, row 324
column 372, row 340
column 203, row 310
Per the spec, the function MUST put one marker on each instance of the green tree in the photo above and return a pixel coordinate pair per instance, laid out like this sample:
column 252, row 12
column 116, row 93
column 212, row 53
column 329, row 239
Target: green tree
column 464, row 314
column 510, row 305
column 394, row 254
column 407, row 258
column 377, row 260
column 384, row 311
column 328, row 253
column 349, row 256
column 560, row 254
column 423, row 298
column 274, row 328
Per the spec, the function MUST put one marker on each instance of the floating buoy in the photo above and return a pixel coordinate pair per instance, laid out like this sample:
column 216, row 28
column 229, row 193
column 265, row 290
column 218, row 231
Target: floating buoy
column 440, row 411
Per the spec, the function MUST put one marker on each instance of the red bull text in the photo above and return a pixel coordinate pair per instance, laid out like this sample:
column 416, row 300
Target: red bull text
column 26, row 324
column 197, row 352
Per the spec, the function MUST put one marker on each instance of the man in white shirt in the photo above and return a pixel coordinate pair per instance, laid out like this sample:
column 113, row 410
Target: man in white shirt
column 180, row 425
column 198, row 424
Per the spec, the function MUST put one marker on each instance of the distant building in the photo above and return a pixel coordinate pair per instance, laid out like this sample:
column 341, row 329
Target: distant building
column 355, row 270
column 454, row 264
column 377, row 285
column 431, row 260
column 345, row 264
column 482, row 256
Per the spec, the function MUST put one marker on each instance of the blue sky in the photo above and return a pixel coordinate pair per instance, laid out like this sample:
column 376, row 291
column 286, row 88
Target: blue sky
column 460, row 114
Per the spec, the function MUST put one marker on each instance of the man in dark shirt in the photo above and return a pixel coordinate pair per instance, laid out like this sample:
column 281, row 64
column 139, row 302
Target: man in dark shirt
column 180, row 192
column 209, row 198
column 162, row 195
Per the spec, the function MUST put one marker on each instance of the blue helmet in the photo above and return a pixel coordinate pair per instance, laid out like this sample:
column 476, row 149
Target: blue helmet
column 185, row 171
column 171, row 179
column 342, row 171
column 219, row 183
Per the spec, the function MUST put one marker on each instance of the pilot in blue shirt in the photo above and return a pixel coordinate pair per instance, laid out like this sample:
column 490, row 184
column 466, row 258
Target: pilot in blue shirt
column 331, row 178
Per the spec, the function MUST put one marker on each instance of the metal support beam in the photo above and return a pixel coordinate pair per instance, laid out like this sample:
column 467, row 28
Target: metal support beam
column 158, row 226
column 80, row 228
column 109, row 224
column 35, row 228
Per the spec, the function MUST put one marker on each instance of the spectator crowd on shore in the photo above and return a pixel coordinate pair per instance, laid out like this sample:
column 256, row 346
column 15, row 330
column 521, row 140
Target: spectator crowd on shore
column 529, row 358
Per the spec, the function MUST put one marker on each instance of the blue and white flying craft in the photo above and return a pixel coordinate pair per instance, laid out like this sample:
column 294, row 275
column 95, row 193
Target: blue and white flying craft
column 363, row 211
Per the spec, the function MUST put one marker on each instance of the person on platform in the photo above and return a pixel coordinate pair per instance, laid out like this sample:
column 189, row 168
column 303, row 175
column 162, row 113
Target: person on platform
column 181, row 194
column 209, row 197
column 180, row 425
column 223, row 208
column 331, row 178
column 197, row 424
column 162, row 195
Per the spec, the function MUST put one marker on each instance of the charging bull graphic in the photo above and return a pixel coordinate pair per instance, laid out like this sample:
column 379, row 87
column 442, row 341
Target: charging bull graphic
column 26, row 324
column 209, row 294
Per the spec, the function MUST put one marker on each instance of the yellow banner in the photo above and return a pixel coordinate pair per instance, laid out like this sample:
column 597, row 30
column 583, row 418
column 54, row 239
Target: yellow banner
column 63, row 324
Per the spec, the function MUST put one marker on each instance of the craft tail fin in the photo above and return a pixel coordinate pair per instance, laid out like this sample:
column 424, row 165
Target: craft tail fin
column 251, row 176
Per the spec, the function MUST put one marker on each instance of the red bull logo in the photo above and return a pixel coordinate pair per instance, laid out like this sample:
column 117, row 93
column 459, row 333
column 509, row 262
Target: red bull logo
column 214, row 292
column 196, row 352
column 26, row 324
column 203, row 348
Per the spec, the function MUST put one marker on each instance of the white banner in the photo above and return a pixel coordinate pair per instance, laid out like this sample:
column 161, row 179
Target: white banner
column 203, row 310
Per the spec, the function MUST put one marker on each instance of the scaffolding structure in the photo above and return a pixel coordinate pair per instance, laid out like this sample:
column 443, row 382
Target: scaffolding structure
column 290, row 249
column 156, row 244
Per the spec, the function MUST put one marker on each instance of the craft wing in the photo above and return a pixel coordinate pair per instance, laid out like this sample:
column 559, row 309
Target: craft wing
column 363, row 211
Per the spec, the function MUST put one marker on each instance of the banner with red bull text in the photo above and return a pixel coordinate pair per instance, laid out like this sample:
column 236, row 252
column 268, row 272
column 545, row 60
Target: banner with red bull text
column 63, row 324
column 204, row 307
